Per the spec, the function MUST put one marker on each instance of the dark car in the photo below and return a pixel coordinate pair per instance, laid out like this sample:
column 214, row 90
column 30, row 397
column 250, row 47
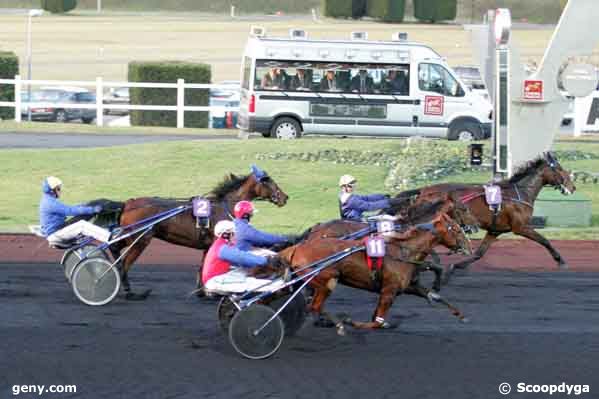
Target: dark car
column 117, row 96
column 53, row 113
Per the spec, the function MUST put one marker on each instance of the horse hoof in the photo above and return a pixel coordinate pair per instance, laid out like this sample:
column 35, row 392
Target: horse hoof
column 323, row 323
column 563, row 266
column 341, row 330
column 132, row 296
column 388, row 326
column 464, row 320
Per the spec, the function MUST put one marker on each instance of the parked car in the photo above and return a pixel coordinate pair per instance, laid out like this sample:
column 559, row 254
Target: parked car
column 74, row 95
column 227, row 96
column 116, row 96
column 471, row 77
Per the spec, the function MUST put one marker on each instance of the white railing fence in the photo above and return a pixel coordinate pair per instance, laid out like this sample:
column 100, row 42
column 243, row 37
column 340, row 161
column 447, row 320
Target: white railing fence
column 99, row 106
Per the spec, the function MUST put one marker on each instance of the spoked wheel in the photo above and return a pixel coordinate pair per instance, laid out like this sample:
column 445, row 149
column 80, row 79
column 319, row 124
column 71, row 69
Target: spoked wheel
column 293, row 315
column 247, row 340
column 225, row 312
column 74, row 256
column 95, row 282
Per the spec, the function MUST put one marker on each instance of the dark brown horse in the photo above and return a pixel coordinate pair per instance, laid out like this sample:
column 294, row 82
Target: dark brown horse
column 408, row 216
column 183, row 229
column 519, row 194
column 399, row 267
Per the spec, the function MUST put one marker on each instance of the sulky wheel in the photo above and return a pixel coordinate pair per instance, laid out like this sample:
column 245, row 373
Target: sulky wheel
column 95, row 282
column 293, row 315
column 74, row 256
column 244, row 335
column 225, row 312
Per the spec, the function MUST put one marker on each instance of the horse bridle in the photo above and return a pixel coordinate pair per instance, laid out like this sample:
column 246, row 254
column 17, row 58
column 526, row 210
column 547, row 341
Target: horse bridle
column 431, row 227
column 275, row 195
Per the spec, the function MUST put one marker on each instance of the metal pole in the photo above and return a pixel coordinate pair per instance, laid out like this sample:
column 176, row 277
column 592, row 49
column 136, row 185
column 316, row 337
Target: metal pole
column 99, row 6
column 29, row 66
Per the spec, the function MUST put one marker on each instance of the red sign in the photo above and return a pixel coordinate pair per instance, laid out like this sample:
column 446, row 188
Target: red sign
column 533, row 89
column 433, row 105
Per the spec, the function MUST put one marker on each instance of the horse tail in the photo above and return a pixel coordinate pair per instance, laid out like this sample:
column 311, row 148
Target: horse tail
column 409, row 193
column 111, row 211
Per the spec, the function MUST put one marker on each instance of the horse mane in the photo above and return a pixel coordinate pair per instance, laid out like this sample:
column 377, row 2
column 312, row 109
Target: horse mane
column 230, row 183
column 527, row 168
column 424, row 211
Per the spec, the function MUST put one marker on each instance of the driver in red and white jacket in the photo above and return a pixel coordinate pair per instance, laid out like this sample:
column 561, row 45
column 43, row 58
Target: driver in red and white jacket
column 226, row 267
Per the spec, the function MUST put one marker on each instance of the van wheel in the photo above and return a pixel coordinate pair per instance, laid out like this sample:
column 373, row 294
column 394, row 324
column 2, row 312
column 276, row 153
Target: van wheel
column 60, row 116
column 465, row 131
column 286, row 128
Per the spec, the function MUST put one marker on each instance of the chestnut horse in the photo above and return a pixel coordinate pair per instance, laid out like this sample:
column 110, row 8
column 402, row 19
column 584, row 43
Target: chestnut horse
column 413, row 214
column 519, row 194
column 399, row 267
column 182, row 229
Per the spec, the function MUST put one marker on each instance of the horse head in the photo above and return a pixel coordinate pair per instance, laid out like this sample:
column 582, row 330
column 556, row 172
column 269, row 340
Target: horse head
column 462, row 214
column 556, row 176
column 451, row 234
column 264, row 187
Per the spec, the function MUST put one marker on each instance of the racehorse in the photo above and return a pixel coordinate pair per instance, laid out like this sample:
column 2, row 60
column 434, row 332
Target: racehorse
column 399, row 269
column 183, row 229
column 410, row 215
column 519, row 194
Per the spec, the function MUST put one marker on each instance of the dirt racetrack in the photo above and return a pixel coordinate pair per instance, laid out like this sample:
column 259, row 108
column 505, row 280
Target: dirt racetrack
column 526, row 325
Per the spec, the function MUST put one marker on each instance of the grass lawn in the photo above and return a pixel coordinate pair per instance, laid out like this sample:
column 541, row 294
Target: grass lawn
column 182, row 169
column 84, row 45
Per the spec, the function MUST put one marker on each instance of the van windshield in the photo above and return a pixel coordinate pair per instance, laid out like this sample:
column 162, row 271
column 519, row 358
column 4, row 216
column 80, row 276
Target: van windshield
column 310, row 76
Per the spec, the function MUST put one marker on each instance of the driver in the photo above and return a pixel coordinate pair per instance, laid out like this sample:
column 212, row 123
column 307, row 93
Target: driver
column 219, row 275
column 351, row 205
column 247, row 235
column 53, row 215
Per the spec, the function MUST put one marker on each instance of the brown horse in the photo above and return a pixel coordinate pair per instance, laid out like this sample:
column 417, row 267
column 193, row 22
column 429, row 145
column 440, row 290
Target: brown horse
column 183, row 229
column 410, row 215
column 519, row 194
column 399, row 267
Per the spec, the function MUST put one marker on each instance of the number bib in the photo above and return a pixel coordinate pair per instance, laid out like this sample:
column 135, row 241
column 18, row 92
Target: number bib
column 375, row 247
column 201, row 207
column 493, row 194
column 385, row 226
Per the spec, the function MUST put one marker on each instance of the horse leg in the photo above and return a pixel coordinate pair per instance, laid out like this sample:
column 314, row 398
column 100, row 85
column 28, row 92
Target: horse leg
column 132, row 254
column 432, row 296
column 321, row 292
column 538, row 238
column 385, row 302
column 480, row 252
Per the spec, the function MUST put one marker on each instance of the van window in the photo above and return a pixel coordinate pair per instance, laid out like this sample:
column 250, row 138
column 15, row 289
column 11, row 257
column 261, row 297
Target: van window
column 247, row 71
column 332, row 77
column 435, row 78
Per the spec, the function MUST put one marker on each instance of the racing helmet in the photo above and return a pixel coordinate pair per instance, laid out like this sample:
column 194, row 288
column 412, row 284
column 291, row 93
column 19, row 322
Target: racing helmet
column 243, row 208
column 346, row 180
column 53, row 182
column 224, row 226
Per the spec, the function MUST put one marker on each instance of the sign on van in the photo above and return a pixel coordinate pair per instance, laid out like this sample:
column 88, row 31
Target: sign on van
column 433, row 105
column 533, row 90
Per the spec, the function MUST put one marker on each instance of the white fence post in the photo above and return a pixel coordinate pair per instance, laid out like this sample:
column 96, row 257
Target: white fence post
column 99, row 102
column 180, row 103
column 232, row 11
column 17, row 86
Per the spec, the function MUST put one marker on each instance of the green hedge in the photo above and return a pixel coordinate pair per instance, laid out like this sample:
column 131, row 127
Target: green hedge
column 338, row 8
column 435, row 10
column 58, row 6
column 358, row 8
column 168, row 72
column 9, row 67
column 387, row 10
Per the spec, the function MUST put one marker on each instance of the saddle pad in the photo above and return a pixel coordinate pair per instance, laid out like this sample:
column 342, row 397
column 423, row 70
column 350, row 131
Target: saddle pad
column 375, row 247
column 385, row 226
column 493, row 194
column 201, row 207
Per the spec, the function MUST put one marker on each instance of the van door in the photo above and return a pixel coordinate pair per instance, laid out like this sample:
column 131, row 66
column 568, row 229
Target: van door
column 442, row 98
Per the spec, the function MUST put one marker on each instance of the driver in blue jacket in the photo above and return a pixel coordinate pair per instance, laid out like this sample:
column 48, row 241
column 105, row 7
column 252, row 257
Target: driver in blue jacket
column 53, row 214
column 351, row 205
column 248, row 236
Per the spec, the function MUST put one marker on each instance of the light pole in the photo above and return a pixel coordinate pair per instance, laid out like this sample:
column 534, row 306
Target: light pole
column 30, row 14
